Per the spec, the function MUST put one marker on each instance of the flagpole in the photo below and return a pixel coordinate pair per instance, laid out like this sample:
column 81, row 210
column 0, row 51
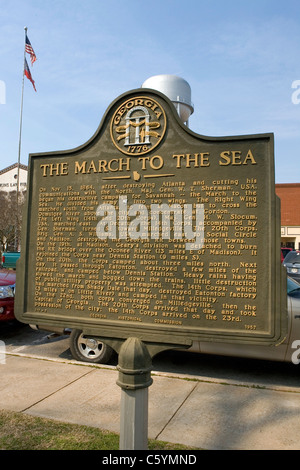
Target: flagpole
column 19, row 152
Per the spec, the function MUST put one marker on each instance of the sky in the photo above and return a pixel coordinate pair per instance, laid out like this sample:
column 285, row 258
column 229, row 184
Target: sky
column 241, row 59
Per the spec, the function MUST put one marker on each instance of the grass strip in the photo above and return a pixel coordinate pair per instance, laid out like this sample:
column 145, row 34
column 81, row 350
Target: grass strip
column 24, row 432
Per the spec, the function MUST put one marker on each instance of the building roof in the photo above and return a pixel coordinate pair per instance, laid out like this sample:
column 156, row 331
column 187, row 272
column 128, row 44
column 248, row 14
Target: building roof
column 11, row 167
column 289, row 194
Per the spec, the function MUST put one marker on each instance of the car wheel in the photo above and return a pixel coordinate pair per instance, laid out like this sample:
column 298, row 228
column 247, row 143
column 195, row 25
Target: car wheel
column 89, row 349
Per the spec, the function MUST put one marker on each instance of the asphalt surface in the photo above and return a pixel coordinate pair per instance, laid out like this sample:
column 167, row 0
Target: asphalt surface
column 191, row 401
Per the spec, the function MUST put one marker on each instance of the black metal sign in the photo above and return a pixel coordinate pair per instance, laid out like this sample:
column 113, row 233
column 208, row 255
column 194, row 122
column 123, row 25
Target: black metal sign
column 153, row 231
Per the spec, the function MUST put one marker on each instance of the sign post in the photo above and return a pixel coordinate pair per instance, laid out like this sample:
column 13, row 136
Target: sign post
column 134, row 378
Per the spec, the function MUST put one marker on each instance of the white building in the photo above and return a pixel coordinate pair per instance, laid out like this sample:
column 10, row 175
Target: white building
column 9, row 178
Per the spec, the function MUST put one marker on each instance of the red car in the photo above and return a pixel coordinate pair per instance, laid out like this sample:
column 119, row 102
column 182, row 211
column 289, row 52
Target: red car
column 284, row 252
column 7, row 292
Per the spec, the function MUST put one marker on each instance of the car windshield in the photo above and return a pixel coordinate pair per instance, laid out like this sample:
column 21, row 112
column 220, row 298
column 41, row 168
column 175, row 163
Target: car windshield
column 292, row 257
column 292, row 285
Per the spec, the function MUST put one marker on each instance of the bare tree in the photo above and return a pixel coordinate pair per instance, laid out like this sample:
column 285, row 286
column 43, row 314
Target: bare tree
column 11, row 220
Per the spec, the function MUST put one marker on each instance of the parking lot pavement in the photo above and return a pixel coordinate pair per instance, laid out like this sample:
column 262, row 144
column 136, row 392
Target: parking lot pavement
column 202, row 413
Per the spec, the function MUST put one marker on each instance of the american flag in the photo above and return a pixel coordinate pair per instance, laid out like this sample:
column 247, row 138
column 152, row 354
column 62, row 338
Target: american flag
column 29, row 50
column 28, row 74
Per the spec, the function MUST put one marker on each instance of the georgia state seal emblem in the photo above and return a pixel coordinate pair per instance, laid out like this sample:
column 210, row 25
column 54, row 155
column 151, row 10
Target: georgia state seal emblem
column 138, row 125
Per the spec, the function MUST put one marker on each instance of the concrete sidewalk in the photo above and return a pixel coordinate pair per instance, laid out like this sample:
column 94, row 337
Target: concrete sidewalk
column 204, row 414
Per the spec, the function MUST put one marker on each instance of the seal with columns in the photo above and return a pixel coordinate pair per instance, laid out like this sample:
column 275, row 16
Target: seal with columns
column 138, row 125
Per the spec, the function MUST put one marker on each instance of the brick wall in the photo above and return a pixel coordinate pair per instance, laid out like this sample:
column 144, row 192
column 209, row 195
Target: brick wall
column 289, row 195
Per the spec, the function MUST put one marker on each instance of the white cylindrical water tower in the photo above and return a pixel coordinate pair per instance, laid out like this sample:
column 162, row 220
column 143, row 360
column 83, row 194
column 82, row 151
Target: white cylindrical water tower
column 176, row 89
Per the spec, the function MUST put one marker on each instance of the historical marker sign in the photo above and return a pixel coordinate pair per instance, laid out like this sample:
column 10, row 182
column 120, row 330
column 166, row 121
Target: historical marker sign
column 153, row 231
